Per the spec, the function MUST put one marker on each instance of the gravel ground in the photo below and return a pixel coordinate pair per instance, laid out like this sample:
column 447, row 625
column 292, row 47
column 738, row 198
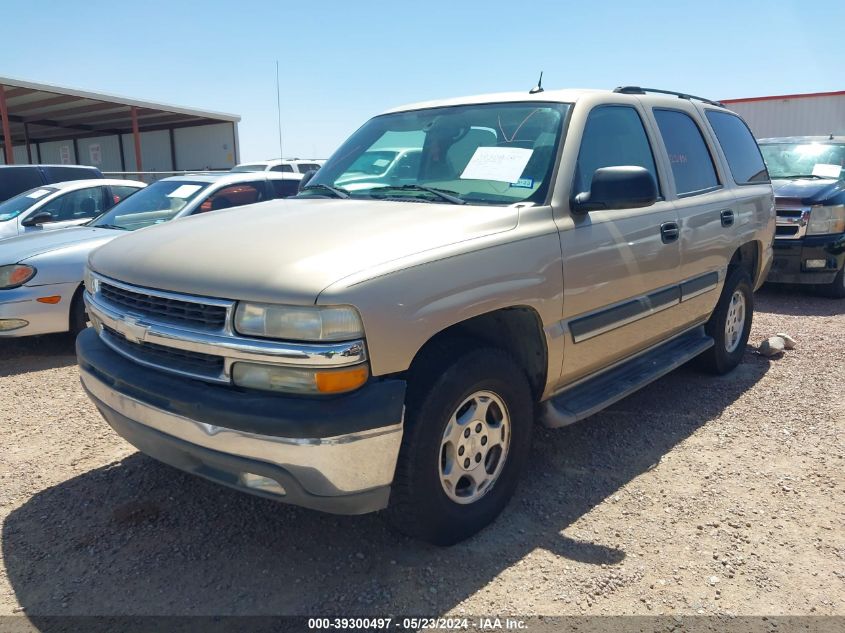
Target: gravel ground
column 695, row 495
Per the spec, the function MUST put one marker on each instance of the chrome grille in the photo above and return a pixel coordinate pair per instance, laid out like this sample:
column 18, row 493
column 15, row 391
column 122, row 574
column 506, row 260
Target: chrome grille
column 792, row 219
column 169, row 310
column 180, row 361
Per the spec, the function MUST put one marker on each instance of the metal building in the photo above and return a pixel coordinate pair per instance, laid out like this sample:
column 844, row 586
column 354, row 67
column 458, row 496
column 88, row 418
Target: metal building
column 814, row 114
column 51, row 124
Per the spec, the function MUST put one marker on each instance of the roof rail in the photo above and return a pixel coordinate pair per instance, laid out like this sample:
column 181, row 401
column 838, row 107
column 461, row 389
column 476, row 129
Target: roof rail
column 636, row 90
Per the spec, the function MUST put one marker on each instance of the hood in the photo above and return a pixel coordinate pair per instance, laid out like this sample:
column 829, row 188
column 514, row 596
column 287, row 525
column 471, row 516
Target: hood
column 23, row 247
column 289, row 250
column 811, row 190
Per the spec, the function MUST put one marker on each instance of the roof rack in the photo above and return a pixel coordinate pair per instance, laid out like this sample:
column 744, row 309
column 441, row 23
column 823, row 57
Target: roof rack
column 636, row 90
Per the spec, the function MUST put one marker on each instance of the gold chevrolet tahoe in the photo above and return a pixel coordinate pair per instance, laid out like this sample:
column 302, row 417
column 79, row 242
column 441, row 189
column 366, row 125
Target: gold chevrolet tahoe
column 384, row 339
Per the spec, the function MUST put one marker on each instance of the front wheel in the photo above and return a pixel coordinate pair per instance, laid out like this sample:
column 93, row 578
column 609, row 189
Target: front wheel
column 78, row 318
column 467, row 434
column 730, row 323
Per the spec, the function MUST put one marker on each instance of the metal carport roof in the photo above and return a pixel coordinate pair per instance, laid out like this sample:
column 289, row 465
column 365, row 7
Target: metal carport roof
column 33, row 113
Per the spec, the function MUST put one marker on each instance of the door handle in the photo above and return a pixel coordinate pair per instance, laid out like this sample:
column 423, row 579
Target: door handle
column 669, row 232
column 727, row 217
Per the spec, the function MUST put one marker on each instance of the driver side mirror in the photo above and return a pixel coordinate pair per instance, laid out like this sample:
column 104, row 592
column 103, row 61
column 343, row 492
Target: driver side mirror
column 625, row 187
column 38, row 218
column 306, row 179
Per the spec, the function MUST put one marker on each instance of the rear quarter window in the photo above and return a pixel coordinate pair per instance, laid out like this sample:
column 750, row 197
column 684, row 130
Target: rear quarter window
column 743, row 155
column 63, row 174
column 15, row 180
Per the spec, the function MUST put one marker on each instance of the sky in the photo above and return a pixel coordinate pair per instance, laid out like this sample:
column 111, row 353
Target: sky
column 343, row 62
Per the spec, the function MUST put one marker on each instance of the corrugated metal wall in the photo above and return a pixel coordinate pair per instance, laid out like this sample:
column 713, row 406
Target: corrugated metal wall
column 794, row 116
column 205, row 147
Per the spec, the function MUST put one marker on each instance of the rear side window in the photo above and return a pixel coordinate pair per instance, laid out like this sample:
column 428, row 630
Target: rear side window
column 285, row 168
column 613, row 137
column 303, row 167
column 15, row 180
column 744, row 158
column 692, row 165
column 63, row 174
column 285, row 188
column 119, row 192
column 234, row 196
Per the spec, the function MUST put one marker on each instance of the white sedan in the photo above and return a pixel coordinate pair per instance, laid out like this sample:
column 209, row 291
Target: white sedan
column 61, row 205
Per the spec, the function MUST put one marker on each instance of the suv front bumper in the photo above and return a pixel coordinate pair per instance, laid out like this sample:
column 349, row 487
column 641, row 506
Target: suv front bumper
column 335, row 454
column 790, row 257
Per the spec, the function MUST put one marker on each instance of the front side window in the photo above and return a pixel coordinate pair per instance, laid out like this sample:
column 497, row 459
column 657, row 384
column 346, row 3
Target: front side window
column 805, row 160
column 284, row 168
column 81, row 204
column 743, row 155
column 495, row 154
column 285, row 188
column 614, row 136
column 13, row 207
column 692, row 165
column 233, row 196
column 160, row 202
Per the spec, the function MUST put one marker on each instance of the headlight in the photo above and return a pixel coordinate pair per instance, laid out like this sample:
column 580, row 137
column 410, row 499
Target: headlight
column 826, row 219
column 299, row 380
column 295, row 323
column 91, row 282
column 15, row 275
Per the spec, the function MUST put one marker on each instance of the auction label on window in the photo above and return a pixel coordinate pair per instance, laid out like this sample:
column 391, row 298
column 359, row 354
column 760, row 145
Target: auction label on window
column 504, row 164
column 184, row 191
column 823, row 170
column 38, row 193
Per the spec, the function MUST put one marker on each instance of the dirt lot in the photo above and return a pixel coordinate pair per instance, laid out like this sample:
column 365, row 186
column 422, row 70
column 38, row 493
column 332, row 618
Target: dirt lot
column 696, row 495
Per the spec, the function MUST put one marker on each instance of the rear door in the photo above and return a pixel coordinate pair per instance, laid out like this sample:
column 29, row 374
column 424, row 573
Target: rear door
column 705, row 207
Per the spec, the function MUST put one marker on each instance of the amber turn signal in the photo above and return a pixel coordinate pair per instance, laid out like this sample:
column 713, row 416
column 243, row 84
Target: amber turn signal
column 340, row 380
column 53, row 299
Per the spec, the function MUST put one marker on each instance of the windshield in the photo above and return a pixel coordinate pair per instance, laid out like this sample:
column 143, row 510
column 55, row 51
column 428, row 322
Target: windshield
column 158, row 203
column 483, row 154
column 790, row 160
column 13, row 207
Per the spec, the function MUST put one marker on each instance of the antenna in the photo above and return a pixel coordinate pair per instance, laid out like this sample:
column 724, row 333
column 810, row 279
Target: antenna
column 538, row 87
column 279, row 110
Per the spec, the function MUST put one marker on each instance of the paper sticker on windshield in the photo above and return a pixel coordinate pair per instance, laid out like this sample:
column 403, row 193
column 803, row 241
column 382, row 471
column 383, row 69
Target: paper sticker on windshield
column 524, row 183
column 38, row 193
column 185, row 191
column 381, row 162
column 504, row 164
column 823, row 170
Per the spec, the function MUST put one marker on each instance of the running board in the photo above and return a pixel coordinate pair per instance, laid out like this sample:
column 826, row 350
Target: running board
column 595, row 394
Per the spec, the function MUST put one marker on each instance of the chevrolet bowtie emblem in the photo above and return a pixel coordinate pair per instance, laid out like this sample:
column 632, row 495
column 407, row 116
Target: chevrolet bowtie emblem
column 133, row 331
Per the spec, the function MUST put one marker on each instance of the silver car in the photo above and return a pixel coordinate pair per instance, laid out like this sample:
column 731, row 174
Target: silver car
column 41, row 272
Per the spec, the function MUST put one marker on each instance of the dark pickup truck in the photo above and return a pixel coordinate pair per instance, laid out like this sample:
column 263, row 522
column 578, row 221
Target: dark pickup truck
column 15, row 179
column 808, row 177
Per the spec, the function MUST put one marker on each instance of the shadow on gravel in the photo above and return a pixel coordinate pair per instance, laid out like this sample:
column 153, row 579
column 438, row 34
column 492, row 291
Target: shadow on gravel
column 36, row 353
column 137, row 537
column 796, row 300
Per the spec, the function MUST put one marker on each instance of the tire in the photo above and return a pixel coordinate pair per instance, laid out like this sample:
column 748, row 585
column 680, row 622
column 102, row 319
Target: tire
column 836, row 288
column 450, row 381
column 736, row 303
column 78, row 319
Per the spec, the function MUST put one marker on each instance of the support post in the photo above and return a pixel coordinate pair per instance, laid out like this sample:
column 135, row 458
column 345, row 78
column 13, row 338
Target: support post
column 7, row 131
column 136, row 136
column 26, row 140
column 172, row 149
column 75, row 152
column 122, row 154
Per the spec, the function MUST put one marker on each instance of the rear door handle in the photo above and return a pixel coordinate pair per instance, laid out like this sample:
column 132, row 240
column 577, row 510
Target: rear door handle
column 727, row 217
column 669, row 232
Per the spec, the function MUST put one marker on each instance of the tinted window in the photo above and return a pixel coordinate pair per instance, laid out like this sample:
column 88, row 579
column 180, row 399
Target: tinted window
column 692, row 165
column 740, row 148
column 285, row 168
column 233, row 196
column 285, row 188
column 14, row 180
column 119, row 192
column 63, row 174
column 81, row 204
column 303, row 167
column 614, row 136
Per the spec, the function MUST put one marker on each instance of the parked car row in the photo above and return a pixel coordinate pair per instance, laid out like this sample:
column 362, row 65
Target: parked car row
column 41, row 272
column 383, row 339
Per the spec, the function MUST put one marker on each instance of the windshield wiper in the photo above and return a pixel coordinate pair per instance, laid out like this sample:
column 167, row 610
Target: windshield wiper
column 109, row 226
column 797, row 176
column 443, row 194
column 336, row 191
